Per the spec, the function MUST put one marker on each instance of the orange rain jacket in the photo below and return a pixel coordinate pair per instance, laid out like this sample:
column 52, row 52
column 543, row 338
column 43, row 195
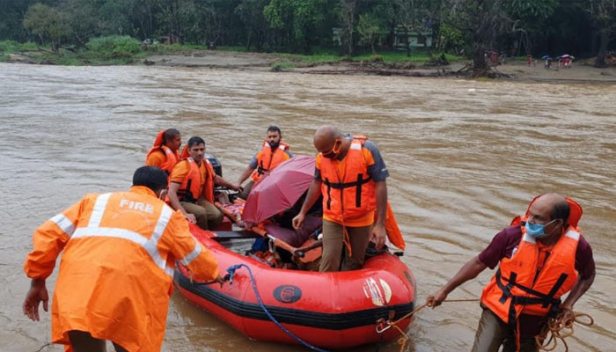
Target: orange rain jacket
column 532, row 281
column 116, row 271
column 268, row 160
column 171, row 158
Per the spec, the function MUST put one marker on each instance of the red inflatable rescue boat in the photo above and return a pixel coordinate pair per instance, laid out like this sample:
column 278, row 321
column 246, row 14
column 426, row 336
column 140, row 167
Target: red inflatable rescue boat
column 327, row 310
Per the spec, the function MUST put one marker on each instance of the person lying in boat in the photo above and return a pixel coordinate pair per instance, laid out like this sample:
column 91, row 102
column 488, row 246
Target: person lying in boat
column 191, row 186
column 165, row 151
column 350, row 174
column 273, row 153
column 281, row 225
column 119, row 251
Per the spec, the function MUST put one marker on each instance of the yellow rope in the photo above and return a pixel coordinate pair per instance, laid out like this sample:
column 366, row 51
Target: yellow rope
column 404, row 337
column 559, row 328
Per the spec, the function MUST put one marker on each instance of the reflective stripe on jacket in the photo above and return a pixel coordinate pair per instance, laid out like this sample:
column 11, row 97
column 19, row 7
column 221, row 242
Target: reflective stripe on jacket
column 116, row 271
column 351, row 194
column 523, row 285
column 267, row 159
column 191, row 189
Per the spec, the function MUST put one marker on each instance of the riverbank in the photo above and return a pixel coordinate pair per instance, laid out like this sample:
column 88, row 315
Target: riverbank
column 378, row 65
column 386, row 64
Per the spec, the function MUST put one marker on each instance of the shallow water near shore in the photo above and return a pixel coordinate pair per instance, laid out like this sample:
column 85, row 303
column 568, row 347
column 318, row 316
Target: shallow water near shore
column 465, row 157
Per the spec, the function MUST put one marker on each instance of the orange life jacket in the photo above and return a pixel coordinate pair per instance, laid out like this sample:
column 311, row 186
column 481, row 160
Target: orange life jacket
column 190, row 189
column 351, row 194
column 393, row 231
column 362, row 184
column 523, row 285
column 267, row 159
column 172, row 157
column 111, row 242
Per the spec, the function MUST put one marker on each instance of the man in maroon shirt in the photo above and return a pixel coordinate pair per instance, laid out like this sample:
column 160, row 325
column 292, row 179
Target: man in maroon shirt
column 548, row 222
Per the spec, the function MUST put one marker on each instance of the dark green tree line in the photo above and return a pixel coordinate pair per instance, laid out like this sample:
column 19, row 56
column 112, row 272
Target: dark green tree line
column 519, row 27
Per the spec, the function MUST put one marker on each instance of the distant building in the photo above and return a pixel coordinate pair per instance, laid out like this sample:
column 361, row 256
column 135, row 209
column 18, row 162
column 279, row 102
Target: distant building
column 422, row 39
column 337, row 36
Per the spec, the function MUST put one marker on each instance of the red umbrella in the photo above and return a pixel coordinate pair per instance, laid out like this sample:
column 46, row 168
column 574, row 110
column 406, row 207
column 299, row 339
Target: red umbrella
column 278, row 190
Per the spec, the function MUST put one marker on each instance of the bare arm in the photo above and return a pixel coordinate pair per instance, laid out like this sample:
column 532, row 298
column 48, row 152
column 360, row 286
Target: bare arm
column 469, row 271
column 245, row 175
column 175, row 200
column 379, row 233
column 314, row 192
column 222, row 182
column 580, row 287
column 381, row 202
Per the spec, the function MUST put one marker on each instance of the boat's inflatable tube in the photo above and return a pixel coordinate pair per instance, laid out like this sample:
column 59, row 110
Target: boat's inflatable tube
column 328, row 310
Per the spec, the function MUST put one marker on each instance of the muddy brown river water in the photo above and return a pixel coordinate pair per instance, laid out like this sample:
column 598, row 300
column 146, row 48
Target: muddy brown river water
column 464, row 157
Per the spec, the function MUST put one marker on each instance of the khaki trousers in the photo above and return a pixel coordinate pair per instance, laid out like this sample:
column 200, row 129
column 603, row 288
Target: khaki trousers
column 208, row 216
column 333, row 247
column 493, row 332
column 246, row 191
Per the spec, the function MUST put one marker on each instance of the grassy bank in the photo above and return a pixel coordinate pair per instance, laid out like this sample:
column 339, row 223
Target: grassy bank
column 124, row 50
column 112, row 50
column 387, row 57
column 8, row 47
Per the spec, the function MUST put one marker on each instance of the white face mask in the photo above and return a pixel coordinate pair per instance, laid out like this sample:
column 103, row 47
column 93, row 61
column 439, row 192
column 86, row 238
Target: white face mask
column 162, row 194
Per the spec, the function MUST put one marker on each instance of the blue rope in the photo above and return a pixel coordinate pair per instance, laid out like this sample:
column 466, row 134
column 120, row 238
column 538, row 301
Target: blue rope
column 231, row 270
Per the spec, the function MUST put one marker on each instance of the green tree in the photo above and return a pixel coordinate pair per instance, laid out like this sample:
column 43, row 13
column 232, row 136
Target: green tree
column 296, row 20
column 250, row 13
column 408, row 19
column 143, row 17
column 452, row 38
column 48, row 23
column 113, row 17
column 11, row 19
column 369, row 29
column 346, row 12
column 385, row 12
column 603, row 15
column 483, row 20
column 529, row 18
column 82, row 16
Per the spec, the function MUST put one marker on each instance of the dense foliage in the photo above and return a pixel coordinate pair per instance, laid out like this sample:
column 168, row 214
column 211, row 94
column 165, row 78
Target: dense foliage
column 516, row 27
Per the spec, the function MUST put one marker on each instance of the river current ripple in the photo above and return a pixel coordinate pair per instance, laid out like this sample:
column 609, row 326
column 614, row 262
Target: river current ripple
column 464, row 157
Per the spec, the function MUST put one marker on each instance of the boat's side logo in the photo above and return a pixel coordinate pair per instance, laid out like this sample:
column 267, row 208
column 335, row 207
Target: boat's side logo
column 379, row 294
column 287, row 294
